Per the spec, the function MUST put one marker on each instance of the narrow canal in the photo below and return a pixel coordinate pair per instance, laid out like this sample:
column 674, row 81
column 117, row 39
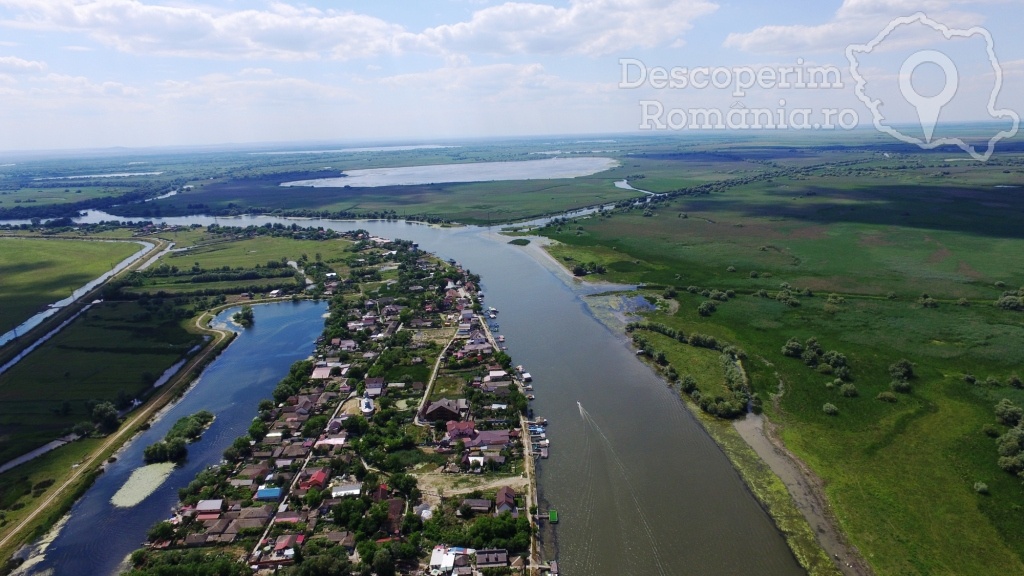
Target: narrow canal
column 640, row 488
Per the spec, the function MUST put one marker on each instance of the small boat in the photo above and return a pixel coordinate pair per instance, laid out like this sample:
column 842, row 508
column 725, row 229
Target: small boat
column 501, row 338
column 544, row 453
column 519, row 368
column 528, row 387
column 492, row 315
column 492, row 310
column 531, row 397
column 553, row 516
column 527, row 377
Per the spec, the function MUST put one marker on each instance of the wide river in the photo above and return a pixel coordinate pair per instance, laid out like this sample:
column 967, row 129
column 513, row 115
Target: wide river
column 640, row 488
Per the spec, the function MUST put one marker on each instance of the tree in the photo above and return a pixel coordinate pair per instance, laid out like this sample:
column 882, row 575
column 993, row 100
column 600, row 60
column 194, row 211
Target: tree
column 314, row 426
column 257, row 430
column 160, row 531
column 313, row 498
column 793, row 348
column 404, row 484
column 244, row 317
column 902, row 369
column 1008, row 413
column 706, row 308
column 105, row 416
column 383, row 563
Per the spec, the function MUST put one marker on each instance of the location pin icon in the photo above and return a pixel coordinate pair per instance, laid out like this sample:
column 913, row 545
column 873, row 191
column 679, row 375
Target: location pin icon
column 928, row 107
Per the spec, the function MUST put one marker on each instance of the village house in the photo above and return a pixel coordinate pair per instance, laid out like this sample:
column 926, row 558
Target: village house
column 491, row 559
column 476, row 505
column 505, row 501
column 443, row 409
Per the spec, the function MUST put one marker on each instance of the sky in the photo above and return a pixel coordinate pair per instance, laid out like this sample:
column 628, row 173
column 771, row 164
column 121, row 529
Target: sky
column 141, row 73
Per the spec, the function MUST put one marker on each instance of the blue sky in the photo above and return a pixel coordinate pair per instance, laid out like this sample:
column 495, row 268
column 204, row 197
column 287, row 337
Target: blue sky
column 100, row 73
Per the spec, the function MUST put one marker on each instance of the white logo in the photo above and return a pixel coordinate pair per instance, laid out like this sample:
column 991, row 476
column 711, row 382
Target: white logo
column 929, row 108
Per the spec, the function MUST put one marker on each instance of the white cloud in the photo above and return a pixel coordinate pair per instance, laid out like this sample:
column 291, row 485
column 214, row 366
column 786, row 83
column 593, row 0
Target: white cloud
column 67, row 86
column 250, row 87
column 588, row 27
column 14, row 64
column 295, row 32
column 280, row 32
column 856, row 21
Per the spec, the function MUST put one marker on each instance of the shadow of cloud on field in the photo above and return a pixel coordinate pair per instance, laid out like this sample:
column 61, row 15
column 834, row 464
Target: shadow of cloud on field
column 976, row 211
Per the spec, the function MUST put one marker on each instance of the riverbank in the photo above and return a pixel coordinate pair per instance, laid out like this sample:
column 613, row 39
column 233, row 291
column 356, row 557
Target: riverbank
column 806, row 490
column 795, row 505
column 47, row 512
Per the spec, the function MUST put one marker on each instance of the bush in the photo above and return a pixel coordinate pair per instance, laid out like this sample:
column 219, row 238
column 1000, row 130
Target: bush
column 901, row 386
column 793, row 348
column 990, row 430
column 981, row 488
column 886, row 397
column 848, row 390
column 1008, row 413
column 830, row 409
column 902, row 369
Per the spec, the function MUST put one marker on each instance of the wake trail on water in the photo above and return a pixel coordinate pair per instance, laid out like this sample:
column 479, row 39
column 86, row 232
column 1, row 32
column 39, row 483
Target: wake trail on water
column 644, row 521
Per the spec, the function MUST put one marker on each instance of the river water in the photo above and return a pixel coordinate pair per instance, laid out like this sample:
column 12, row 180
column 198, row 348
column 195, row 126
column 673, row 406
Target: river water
column 99, row 536
column 640, row 488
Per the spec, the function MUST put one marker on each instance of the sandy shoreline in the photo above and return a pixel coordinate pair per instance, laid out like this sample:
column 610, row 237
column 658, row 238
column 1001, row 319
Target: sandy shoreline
column 805, row 488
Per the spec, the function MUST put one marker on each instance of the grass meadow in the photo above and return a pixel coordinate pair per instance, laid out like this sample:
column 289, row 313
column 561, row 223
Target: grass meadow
column 37, row 272
column 900, row 475
column 114, row 347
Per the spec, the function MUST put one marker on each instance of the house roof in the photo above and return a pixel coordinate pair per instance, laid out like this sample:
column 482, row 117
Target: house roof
column 209, row 505
column 506, row 495
column 477, row 504
column 486, row 558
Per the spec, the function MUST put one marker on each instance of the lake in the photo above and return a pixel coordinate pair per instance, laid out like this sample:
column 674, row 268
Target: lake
column 549, row 168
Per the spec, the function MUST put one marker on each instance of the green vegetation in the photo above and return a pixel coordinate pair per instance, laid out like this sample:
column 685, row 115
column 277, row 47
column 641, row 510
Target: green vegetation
column 244, row 317
column 855, row 277
column 38, row 271
column 108, row 357
column 191, row 562
column 519, row 242
column 173, row 448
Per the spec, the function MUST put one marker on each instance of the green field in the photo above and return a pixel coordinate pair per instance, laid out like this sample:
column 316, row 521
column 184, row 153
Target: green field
column 37, row 272
column 247, row 253
column 497, row 202
column 113, row 348
column 881, row 233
